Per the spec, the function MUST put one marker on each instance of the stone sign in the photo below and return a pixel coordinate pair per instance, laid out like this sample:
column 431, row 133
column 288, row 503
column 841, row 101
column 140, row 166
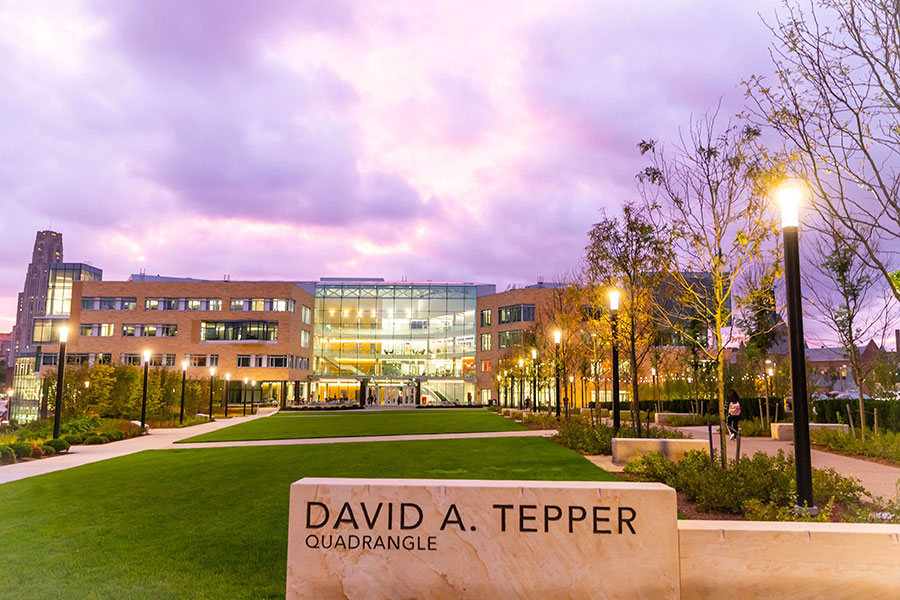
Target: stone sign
column 407, row 538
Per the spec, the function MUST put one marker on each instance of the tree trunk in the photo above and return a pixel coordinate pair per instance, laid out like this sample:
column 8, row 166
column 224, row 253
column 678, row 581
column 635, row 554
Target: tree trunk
column 857, row 375
column 635, row 405
column 720, row 385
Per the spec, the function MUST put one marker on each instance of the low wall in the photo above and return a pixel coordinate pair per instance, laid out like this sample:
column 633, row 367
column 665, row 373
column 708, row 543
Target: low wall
column 624, row 449
column 784, row 432
column 661, row 418
column 750, row 560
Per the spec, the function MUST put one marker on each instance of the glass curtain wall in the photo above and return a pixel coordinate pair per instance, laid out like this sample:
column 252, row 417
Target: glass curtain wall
column 395, row 331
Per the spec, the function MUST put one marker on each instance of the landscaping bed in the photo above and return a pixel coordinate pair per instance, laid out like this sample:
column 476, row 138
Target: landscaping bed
column 35, row 440
column 885, row 447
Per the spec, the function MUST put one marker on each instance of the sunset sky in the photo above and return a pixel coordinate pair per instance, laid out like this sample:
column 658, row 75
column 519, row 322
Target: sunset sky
column 290, row 139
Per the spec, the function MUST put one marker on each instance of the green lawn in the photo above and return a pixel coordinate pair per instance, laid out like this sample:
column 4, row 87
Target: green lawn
column 212, row 523
column 357, row 423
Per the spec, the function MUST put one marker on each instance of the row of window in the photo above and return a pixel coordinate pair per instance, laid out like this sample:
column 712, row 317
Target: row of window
column 281, row 361
column 272, row 361
column 149, row 330
column 222, row 331
column 516, row 313
column 198, row 304
column 505, row 339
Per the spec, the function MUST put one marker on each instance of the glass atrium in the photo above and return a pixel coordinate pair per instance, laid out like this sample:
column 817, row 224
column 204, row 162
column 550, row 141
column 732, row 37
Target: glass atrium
column 391, row 341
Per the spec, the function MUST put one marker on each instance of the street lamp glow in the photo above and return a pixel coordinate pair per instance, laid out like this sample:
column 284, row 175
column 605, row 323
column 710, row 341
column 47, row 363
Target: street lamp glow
column 614, row 300
column 146, row 356
column 653, row 372
column 227, row 376
column 770, row 372
column 571, row 379
column 790, row 195
column 63, row 334
column 253, row 383
column 184, row 364
column 212, row 372
column 557, row 336
column 246, row 380
column 521, row 362
column 533, row 354
column 87, row 384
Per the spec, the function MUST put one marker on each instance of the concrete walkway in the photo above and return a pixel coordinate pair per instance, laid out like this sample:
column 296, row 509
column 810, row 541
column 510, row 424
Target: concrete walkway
column 82, row 455
column 878, row 479
column 370, row 438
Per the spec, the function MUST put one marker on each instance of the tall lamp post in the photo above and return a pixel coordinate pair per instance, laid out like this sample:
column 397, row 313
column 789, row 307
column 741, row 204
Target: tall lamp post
column 557, row 339
column 184, row 365
column 244, row 394
column 225, row 391
column 60, row 373
column 212, row 374
column 144, row 391
column 521, row 383
column 790, row 195
column 614, row 325
column 533, row 379
column 252, row 394
column 9, row 403
column 499, row 388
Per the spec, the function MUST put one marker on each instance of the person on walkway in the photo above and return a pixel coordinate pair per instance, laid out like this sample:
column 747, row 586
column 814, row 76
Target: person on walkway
column 734, row 412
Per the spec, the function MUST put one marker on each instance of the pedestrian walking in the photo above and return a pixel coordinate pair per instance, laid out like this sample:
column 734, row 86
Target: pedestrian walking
column 734, row 413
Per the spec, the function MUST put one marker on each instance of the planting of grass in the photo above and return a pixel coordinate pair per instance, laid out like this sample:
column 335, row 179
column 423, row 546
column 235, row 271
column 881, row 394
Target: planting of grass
column 213, row 523
column 885, row 445
column 355, row 424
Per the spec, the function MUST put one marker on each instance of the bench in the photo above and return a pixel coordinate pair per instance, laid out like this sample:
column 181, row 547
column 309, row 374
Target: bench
column 784, row 432
column 662, row 417
column 624, row 449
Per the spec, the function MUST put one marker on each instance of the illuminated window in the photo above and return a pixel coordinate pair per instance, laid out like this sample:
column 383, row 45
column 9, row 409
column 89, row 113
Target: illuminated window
column 486, row 318
column 485, row 366
column 485, row 341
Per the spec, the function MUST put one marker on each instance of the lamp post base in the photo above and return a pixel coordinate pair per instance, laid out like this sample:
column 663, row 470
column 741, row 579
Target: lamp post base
column 806, row 511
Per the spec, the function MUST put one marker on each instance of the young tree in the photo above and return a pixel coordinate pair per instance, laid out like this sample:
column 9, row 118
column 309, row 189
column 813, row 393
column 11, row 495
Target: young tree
column 835, row 99
column 759, row 320
column 629, row 254
column 843, row 290
column 711, row 193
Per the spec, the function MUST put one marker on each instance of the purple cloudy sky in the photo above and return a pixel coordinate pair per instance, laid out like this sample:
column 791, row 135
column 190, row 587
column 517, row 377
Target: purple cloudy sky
column 293, row 139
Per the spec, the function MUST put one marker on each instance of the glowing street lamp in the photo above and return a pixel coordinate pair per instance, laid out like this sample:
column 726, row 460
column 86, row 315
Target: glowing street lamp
column 225, row 393
column 212, row 374
column 534, row 398
column 521, row 383
column 244, row 394
column 60, row 373
column 9, row 403
column 557, row 339
column 790, row 195
column 614, row 324
column 252, row 394
column 144, row 392
column 184, row 366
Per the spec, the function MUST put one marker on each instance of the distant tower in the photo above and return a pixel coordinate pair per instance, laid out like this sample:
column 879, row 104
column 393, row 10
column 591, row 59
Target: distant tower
column 48, row 249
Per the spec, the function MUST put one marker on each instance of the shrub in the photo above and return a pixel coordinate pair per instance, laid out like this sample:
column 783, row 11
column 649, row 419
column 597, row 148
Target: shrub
column 885, row 445
column 95, row 440
column 74, row 438
column 81, row 424
column 578, row 435
column 36, row 452
column 59, row 445
column 753, row 428
column 21, row 450
column 7, row 456
column 754, row 510
column 114, row 436
column 47, row 450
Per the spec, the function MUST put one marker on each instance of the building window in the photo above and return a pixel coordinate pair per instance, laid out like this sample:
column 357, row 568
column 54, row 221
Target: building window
column 130, row 359
column 237, row 304
column 510, row 339
column 149, row 330
column 243, row 360
column 517, row 314
column 306, row 315
column 204, row 360
column 485, row 396
column 485, row 341
column 46, row 331
column 486, row 318
column 223, row 331
column 277, row 362
column 95, row 330
column 128, row 331
column 304, row 338
column 96, row 303
column 485, row 366
column 167, row 330
column 162, row 360
column 263, row 304
column 128, row 303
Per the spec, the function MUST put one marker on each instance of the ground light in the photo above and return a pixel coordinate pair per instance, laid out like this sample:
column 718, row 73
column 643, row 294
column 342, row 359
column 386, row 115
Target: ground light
column 60, row 373
column 557, row 338
column 212, row 374
column 144, row 392
column 790, row 195
column 184, row 366
column 614, row 324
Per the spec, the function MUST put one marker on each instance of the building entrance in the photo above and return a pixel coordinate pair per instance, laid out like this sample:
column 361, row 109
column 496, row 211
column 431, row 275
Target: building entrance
column 391, row 395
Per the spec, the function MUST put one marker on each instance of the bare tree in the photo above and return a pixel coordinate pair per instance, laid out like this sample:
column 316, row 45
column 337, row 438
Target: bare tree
column 835, row 99
column 843, row 289
column 711, row 194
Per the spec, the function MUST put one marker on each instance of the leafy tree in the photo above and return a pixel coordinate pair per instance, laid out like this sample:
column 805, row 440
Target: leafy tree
column 630, row 254
column 711, row 194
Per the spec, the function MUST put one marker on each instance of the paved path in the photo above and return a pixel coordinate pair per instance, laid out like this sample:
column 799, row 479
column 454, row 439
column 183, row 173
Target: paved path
column 371, row 438
column 878, row 479
column 82, row 455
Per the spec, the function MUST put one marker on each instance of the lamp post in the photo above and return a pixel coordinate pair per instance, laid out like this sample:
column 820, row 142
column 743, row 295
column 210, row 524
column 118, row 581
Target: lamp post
column 769, row 389
column 507, row 403
column 225, row 391
column 614, row 324
column 252, row 394
column 521, row 383
column 790, row 196
column 571, row 390
column 655, row 378
column 9, row 403
column 499, row 388
column 557, row 338
column 533, row 379
column 60, row 373
column 184, row 366
column 244, row 394
column 212, row 374
column 144, row 391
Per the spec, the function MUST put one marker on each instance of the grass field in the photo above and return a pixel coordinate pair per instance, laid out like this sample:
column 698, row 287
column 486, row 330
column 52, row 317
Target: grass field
column 358, row 423
column 212, row 523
